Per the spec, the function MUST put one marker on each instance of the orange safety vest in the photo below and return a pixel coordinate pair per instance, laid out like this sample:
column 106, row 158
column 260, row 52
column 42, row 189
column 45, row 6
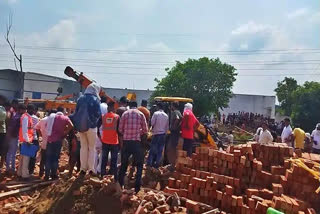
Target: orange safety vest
column 109, row 128
column 30, row 128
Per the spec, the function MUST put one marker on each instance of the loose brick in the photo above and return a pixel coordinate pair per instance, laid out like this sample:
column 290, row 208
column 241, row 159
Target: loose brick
column 239, row 201
column 171, row 182
column 219, row 195
column 229, row 190
column 234, row 200
column 251, row 203
column 192, row 205
column 251, row 192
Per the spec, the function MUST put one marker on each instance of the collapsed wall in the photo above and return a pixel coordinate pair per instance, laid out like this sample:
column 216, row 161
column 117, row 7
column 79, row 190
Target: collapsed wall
column 247, row 179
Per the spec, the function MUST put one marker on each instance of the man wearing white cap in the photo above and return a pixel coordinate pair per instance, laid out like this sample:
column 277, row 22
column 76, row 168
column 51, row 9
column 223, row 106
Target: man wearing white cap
column 316, row 139
column 188, row 125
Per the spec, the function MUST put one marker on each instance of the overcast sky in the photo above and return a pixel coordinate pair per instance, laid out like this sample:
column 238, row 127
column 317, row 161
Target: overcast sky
column 127, row 43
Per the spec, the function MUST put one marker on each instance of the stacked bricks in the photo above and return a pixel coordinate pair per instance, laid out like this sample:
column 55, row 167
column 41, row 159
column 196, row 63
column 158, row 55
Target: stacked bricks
column 288, row 204
column 237, row 181
column 271, row 155
column 301, row 184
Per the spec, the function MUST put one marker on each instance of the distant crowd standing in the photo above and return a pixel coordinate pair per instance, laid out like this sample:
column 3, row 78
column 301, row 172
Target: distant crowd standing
column 251, row 121
column 93, row 131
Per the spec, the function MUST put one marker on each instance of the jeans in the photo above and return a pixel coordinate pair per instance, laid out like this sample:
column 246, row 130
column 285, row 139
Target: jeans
column 88, row 149
column 187, row 146
column 172, row 147
column 114, row 150
column 11, row 155
column 42, row 161
column 134, row 148
column 52, row 158
column 33, row 160
column 156, row 149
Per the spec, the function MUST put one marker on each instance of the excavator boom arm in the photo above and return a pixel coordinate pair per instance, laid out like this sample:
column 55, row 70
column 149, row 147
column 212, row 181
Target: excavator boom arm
column 85, row 81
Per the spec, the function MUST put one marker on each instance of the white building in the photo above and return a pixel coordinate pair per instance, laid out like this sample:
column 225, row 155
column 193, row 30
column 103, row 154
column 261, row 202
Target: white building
column 251, row 103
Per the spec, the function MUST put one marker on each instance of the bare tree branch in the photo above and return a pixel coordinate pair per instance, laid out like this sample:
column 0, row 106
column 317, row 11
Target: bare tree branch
column 15, row 63
column 12, row 47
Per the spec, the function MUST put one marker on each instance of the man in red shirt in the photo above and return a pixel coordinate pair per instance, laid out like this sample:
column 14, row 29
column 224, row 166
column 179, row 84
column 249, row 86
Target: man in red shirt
column 132, row 126
column 188, row 125
column 143, row 108
column 62, row 125
column 110, row 140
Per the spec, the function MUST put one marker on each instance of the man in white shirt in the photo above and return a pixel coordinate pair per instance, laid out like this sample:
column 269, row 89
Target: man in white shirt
column 265, row 135
column 41, row 128
column 258, row 132
column 286, row 133
column 160, row 126
column 230, row 137
column 104, row 105
column 316, row 139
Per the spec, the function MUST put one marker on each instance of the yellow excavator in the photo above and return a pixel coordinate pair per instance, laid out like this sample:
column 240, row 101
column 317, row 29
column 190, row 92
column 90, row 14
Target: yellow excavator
column 202, row 134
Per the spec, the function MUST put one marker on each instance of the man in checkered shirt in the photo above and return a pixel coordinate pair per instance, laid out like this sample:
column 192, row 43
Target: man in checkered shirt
column 132, row 126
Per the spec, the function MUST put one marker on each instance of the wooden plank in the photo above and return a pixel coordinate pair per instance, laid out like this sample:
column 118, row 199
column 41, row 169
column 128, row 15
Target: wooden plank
column 21, row 182
column 14, row 192
column 215, row 211
column 18, row 186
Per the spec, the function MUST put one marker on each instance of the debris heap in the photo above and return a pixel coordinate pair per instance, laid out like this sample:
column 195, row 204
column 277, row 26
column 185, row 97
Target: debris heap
column 246, row 179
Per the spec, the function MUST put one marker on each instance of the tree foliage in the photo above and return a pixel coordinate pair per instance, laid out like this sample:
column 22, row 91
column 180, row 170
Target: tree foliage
column 306, row 106
column 303, row 102
column 284, row 94
column 207, row 81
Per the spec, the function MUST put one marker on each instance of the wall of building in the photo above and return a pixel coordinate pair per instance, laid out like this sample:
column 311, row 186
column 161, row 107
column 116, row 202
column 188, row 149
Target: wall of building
column 251, row 103
column 39, row 86
column 118, row 93
column 9, row 83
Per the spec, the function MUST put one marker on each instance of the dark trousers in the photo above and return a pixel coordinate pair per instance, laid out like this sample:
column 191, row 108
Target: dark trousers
column 315, row 151
column 156, row 149
column 3, row 148
column 134, row 148
column 187, row 146
column 33, row 160
column 52, row 158
column 172, row 147
column 114, row 150
column 42, row 162
column 74, row 159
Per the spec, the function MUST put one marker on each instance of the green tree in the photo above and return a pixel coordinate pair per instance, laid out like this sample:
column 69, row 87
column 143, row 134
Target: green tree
column 284, row 92
column 306, row 105
column 207, row 81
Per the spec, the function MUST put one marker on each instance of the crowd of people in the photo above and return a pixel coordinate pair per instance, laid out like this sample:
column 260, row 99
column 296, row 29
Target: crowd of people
column 251, row 120
column 296, row 138
column 247, row 118
column 94, row 130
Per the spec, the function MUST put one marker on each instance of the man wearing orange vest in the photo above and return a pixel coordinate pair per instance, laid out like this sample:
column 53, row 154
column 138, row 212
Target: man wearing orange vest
column 25, row 137
column 110, row 140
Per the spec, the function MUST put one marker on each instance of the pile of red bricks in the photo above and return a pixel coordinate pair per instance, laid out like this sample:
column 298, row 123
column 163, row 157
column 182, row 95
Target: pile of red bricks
column 299, row 183
column 246, row 179
column 271, row 155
